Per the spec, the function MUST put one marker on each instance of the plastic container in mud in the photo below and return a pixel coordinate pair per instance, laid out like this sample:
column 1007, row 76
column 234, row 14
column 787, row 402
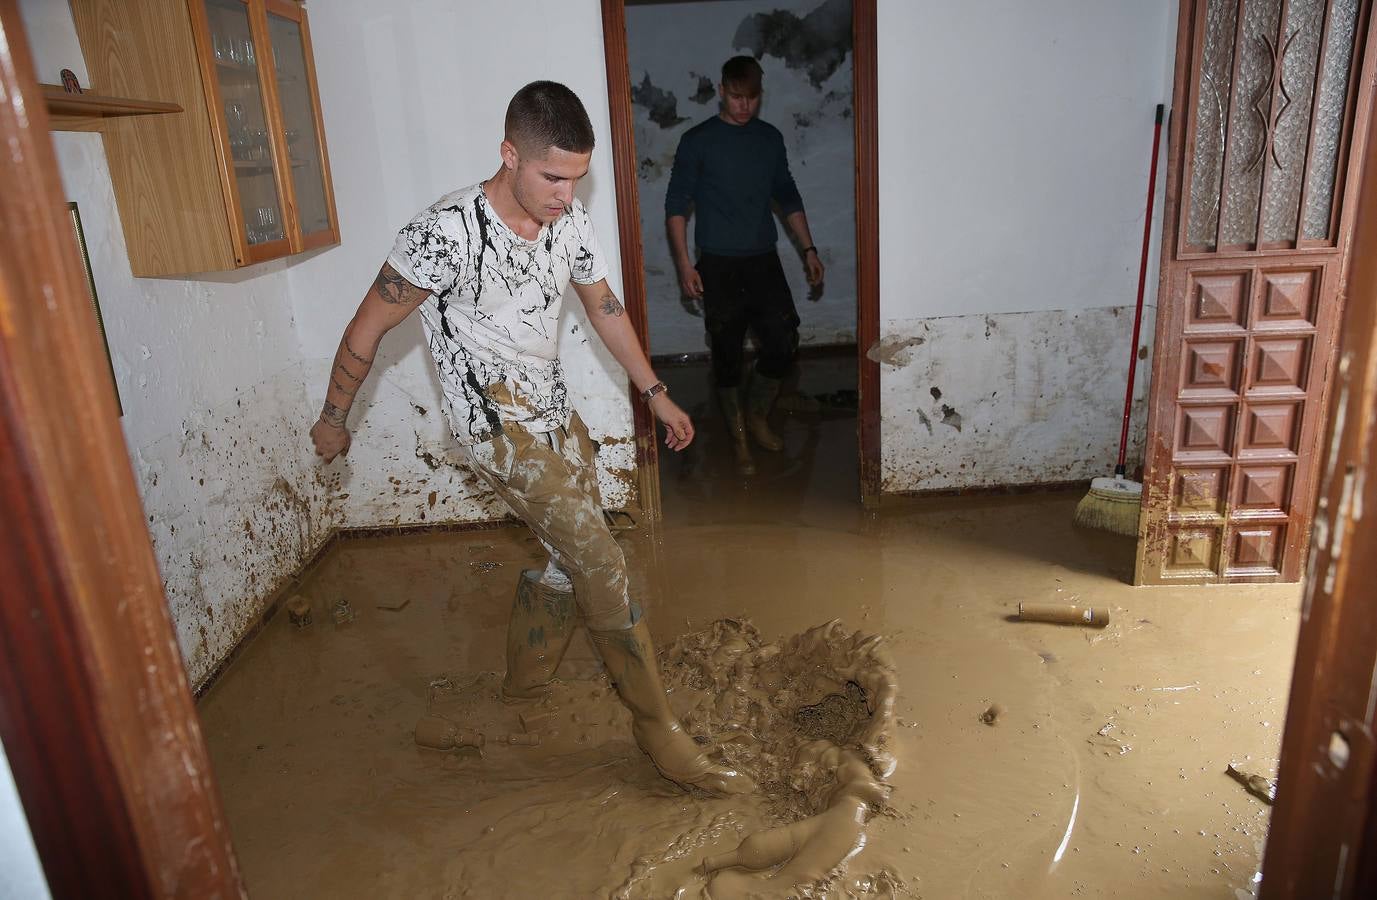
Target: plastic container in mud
column 1064, row 614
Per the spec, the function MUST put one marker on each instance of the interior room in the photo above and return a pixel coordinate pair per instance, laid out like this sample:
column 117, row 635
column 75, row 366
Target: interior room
column 1039, row 594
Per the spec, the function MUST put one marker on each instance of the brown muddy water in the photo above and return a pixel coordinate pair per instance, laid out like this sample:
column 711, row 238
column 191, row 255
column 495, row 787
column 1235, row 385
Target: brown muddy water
column 1029, row 760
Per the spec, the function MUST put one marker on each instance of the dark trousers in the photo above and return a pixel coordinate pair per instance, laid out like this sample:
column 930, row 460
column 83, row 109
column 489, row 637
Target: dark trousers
column 743, row 293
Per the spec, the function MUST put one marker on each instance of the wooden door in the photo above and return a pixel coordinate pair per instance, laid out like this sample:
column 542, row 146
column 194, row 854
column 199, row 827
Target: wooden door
column 1272, row 100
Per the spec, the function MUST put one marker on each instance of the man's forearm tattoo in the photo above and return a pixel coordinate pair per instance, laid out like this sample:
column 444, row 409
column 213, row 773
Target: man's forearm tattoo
column 610, row 306
column 347, row 374
column 342, row 388
column 350, row 350
column 332, row 415
column 393, row 288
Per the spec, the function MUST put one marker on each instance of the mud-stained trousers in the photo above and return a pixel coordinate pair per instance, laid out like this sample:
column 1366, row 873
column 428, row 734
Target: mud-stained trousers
column 550, row 481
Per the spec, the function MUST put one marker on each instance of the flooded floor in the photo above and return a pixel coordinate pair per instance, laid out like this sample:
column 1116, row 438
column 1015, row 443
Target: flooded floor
column 1102, row 774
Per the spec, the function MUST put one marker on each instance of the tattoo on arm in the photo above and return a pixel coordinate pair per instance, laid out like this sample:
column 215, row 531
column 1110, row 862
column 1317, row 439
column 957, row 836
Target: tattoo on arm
column 350, row 351
column 347, row 374
column 343, row 389
column 332, row 415
column 610, row 306
column 393, row 288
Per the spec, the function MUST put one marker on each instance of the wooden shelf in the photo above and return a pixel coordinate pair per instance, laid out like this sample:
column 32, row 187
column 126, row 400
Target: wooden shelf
column 79, row 111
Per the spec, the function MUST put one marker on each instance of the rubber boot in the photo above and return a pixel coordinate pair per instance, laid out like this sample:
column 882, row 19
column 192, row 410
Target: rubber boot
column 538, row 633
column 758, row 405
column 630, row 659
column 730, row 398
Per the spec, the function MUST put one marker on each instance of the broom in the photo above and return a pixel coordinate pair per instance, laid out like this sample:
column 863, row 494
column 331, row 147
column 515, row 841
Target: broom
column 1113, row 501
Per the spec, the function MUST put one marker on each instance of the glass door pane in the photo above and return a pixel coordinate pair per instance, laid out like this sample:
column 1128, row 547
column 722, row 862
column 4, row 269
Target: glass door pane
column 299, row 123
column 236, row 70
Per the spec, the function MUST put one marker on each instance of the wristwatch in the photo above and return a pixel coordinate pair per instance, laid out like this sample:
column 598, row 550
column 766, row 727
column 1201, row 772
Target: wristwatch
column 658, row 387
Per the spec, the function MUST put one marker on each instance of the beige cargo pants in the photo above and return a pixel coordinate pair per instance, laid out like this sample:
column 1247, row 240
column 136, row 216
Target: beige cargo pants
column 550, row 481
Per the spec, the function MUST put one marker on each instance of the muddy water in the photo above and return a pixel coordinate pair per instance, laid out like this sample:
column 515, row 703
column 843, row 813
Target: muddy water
column 1102, row 774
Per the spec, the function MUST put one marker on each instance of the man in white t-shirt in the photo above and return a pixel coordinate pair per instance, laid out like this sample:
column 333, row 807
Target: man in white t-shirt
column 487, row 266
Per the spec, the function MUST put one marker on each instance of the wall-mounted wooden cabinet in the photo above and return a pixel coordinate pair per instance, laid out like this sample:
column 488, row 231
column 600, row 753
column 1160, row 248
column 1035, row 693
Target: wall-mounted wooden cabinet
column 242, row 175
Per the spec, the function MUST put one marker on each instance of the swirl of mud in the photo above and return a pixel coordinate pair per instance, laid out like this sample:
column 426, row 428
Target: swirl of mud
column 810, row 719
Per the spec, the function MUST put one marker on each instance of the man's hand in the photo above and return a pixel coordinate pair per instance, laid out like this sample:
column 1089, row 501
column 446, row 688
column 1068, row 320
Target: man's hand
column 812, row 264
column 678, row 425
column 690, row 282
column 330, row 441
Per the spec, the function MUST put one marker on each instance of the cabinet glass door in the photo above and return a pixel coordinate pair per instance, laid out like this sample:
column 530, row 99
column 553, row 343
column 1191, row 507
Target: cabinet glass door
column 296, row 96
column 246, row 122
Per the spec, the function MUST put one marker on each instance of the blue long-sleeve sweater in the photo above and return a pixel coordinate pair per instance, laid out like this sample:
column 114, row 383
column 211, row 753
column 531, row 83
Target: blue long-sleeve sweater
column 727, row 175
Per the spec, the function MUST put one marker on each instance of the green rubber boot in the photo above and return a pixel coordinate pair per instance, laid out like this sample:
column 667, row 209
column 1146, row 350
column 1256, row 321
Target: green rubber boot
column 630, row 659
column 538, row 633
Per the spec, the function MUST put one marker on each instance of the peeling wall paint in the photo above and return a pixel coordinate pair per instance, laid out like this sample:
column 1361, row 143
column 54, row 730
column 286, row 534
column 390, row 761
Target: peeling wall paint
column 1007, row 399
column 675, row 52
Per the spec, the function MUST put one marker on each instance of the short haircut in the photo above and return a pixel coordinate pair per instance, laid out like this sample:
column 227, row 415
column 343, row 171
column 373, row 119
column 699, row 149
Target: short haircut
column 743, row 72
column 547, row 114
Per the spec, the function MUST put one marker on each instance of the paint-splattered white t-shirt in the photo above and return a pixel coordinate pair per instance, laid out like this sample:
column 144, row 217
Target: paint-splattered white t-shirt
column 492, row 318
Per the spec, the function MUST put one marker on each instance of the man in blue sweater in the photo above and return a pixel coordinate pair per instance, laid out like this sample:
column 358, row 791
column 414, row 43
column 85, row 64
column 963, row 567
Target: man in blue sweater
column 729, row 172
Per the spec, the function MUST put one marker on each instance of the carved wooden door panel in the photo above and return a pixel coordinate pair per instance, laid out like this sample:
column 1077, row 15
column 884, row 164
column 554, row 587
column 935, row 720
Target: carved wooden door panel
column 1272, row 98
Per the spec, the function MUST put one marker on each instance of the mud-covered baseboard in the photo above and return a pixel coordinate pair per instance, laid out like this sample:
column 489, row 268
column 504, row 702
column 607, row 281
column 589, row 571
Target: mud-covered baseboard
column 294, row 582
column 992, row 490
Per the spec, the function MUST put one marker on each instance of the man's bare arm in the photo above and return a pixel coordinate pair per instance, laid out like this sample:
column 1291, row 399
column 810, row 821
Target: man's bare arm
column 608, row 318
column 390, row 300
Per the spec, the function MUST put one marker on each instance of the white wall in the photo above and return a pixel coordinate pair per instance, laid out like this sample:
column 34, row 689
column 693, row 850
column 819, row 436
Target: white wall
column 677, row 44
column 209, row 373
column 21, row 874
column 414, row 96
column 1014, row 148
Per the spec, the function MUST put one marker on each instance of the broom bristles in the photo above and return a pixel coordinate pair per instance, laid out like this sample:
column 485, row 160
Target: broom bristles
column 1108, row 510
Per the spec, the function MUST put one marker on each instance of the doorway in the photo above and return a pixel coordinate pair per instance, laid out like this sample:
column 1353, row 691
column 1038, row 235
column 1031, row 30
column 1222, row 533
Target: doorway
column 654, row 99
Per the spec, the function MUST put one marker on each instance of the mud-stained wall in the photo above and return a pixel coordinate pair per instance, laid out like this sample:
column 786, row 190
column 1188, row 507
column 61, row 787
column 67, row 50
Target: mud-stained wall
column 1015, row 141
column 214, row 410
column 1006, row 399
column 414, row 97
column 675, row 52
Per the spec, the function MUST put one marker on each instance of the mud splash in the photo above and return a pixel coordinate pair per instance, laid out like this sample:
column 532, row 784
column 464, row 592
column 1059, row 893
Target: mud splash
column 809, row 718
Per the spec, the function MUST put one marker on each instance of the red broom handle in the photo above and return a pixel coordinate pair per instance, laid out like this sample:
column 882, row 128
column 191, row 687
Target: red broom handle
column 1142, row 282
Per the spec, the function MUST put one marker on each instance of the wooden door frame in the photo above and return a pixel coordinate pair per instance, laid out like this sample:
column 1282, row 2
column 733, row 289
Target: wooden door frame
column 864, row 31
column 96, row 714
column 1323, row 835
